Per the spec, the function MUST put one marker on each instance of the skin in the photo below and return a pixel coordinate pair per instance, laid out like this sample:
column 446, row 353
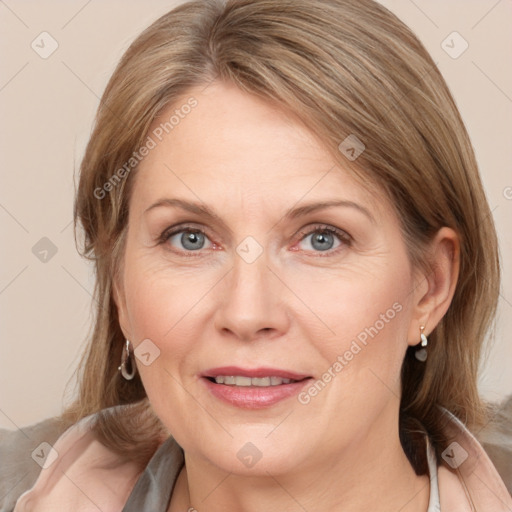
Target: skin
column 296, row 307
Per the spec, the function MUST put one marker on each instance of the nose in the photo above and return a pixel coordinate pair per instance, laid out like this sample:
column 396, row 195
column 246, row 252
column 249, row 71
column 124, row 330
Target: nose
column 252, row 302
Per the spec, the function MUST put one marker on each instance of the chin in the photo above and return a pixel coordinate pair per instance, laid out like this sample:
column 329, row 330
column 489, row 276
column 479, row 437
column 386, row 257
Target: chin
column 249, row 460
column 255, row 452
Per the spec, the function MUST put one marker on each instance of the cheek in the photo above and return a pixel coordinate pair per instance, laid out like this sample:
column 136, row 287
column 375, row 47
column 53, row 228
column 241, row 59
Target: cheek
column 161, row 313
column 362, row 360
column 367, row 316
column 365, row 307
column 158, row 297
column 167, row 307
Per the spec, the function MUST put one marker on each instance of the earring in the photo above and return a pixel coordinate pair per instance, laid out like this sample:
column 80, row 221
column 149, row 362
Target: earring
column 421, row 354
column 124, row 357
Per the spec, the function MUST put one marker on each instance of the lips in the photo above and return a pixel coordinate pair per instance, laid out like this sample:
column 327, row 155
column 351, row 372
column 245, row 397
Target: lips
column 253, row 373
column 237, row 380
column 253, row 388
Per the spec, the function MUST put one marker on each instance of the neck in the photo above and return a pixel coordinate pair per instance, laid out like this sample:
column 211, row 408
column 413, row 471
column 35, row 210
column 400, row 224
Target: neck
column 357, row 480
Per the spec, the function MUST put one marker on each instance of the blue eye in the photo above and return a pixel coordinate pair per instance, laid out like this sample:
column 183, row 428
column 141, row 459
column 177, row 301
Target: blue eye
column 192, row 239
column 323, row 238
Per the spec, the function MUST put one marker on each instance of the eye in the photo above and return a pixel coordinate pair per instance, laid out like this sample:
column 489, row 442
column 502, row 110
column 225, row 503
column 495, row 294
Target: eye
column 322, row 238
column 191, row 239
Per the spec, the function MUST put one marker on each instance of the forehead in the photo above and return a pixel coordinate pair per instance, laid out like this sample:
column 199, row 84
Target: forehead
column 234, row 147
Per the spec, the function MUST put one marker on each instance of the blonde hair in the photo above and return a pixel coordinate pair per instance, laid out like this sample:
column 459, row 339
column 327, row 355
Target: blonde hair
column 343, row 67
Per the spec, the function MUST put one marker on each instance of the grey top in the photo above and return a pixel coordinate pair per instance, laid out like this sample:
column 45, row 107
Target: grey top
column 154, row 488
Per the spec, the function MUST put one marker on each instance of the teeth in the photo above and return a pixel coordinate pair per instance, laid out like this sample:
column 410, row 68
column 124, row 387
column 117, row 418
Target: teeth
column 263, row 381
column 237, row 380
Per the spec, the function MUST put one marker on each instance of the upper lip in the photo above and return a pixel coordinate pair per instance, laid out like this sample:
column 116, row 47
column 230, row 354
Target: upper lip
column 253, row 372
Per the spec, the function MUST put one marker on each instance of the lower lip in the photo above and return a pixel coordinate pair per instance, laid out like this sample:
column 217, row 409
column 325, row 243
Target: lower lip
column 254, row 397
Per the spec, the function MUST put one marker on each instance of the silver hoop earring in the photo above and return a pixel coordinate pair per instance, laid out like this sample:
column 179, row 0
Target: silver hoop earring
column 125, row 357
column 421, row 354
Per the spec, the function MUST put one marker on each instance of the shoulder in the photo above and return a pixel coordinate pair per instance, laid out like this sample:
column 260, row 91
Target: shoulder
column 467, row 477
column 18, row 447
column 496, row 438
column 80, row 474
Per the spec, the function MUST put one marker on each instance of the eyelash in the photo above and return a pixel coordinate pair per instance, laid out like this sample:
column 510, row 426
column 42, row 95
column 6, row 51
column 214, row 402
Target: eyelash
column 343, row 237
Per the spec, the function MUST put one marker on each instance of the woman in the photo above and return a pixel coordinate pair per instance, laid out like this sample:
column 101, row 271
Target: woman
column 296, row 268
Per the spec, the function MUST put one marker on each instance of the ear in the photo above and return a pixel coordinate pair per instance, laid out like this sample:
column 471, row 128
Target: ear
column 434, row 290
column 120, row 301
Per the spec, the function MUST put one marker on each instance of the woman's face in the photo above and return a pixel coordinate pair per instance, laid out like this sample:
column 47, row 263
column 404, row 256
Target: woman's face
column 265, row 293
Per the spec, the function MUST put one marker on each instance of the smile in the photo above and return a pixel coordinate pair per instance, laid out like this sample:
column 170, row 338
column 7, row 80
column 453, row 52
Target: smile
column 253, row 388
column 239, row 380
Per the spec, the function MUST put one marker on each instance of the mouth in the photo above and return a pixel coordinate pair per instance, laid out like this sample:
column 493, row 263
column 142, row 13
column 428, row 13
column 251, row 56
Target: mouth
column 239, row 380
column 253, row 388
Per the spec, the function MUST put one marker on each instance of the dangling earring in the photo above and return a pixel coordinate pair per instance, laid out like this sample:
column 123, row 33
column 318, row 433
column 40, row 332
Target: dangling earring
column 124, row 357
column 421, row 354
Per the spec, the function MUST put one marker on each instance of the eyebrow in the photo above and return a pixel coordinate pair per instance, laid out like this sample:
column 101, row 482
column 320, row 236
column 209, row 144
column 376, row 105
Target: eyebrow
column 294, row 213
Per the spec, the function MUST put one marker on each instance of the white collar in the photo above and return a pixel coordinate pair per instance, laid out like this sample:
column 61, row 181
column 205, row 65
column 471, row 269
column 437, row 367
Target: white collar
column 434, row 503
